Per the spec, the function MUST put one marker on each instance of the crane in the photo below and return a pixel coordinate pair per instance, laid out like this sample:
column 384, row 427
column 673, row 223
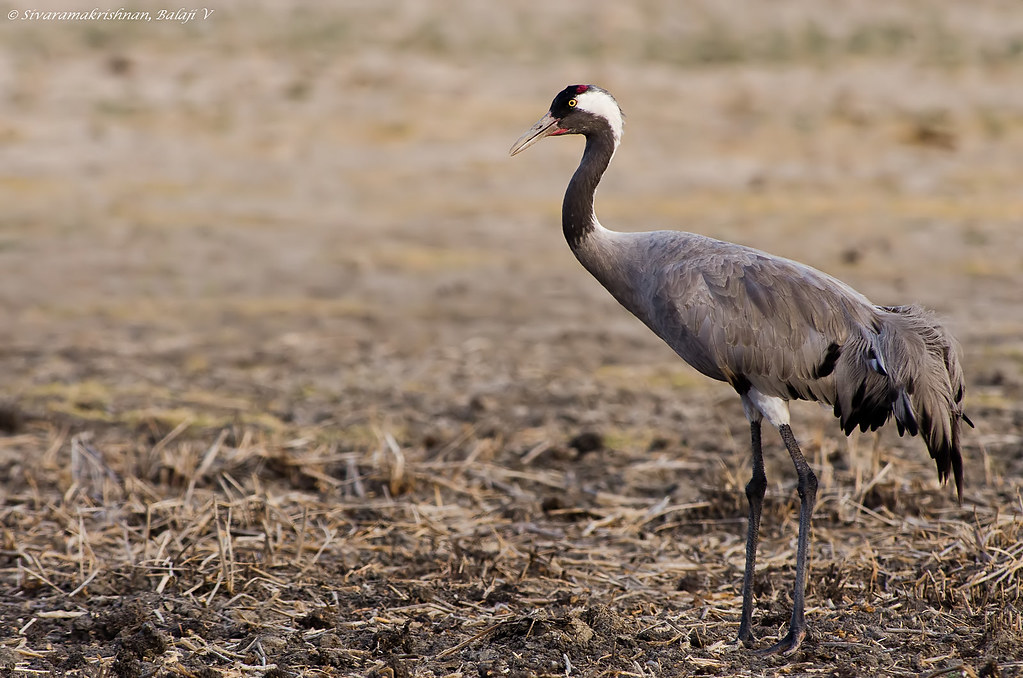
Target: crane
column 774, row 329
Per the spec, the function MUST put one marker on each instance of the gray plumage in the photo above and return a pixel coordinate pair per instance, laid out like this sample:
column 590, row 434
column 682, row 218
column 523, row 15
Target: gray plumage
column 751, row 319
column 775, row 329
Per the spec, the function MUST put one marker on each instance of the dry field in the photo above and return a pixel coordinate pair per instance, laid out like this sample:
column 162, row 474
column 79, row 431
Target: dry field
column 300, row 378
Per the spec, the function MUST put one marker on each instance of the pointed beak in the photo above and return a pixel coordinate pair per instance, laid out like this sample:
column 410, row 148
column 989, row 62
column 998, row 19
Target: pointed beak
column 545, row 126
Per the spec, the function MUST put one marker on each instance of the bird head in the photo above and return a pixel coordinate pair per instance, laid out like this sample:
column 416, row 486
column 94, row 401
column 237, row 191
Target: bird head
column 578, row 109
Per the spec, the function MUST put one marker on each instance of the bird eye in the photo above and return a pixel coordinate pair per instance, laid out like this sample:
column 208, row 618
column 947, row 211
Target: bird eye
column 573, row 102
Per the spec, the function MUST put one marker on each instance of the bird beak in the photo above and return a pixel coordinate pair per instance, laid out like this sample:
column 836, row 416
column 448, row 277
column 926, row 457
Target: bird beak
column 545, row 126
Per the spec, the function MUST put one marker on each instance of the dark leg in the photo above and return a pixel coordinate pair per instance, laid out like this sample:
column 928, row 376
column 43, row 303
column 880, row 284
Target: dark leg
column 807, row 498
column 755, row 495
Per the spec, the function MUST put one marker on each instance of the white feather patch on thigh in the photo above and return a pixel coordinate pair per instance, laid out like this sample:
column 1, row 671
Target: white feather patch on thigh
column 774, row 409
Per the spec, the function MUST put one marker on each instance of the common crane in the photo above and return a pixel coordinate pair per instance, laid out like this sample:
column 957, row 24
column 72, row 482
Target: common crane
column 774, row 329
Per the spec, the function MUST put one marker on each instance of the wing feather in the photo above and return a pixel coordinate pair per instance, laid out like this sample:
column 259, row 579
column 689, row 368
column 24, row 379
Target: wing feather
column 743, row 316
column 774, row 321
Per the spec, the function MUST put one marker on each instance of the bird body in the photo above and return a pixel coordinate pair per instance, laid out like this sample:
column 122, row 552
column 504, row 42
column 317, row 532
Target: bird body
column 786, row 330
column 775, row 329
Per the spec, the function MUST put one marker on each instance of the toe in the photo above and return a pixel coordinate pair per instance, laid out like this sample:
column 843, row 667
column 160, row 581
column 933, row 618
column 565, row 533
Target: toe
column 787, row 645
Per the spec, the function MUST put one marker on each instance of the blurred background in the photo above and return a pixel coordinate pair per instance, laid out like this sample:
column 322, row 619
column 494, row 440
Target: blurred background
column 304, row 212
column 291, row 349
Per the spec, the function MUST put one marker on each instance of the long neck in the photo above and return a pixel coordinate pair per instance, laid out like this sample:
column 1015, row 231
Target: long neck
column 577, row 217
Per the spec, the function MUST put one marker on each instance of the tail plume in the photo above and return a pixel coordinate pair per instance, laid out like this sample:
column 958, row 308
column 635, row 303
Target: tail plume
column 910, row 369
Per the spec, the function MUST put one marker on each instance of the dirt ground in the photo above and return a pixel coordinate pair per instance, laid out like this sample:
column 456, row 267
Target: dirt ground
column 300, row 378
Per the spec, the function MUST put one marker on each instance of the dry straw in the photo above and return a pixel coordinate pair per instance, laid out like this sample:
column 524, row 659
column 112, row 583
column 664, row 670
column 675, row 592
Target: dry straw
column 246, row 551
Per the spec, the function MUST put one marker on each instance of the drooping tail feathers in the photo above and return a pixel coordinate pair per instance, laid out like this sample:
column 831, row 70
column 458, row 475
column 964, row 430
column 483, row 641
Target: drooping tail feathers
column 908, row 366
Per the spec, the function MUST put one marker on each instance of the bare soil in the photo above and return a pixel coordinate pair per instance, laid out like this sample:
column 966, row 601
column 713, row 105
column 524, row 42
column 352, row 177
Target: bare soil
column 300, row 378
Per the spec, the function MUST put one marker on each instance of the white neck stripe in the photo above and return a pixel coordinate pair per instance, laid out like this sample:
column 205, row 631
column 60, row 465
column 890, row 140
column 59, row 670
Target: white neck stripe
column 600, row 103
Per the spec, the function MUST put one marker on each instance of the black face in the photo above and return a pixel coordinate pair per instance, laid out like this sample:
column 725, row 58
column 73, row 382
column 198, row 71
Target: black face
column 575, row 110
column 572, row 118
column 566, row 100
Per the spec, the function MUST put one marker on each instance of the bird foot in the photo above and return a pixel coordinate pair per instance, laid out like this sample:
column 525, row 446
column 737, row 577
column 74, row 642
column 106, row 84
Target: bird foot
column 787, row 645
column 747, row 638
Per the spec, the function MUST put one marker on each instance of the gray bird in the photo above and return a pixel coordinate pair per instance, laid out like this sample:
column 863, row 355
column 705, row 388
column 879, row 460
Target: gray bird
column 775, row 329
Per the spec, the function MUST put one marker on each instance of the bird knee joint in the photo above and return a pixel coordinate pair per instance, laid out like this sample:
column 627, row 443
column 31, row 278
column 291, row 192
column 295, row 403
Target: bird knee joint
column 756, row 487
column 807, row 485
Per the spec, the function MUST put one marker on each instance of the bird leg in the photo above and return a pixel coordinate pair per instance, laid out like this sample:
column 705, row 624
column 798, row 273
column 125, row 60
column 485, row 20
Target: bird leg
column 755, row 495
column 807, row 489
